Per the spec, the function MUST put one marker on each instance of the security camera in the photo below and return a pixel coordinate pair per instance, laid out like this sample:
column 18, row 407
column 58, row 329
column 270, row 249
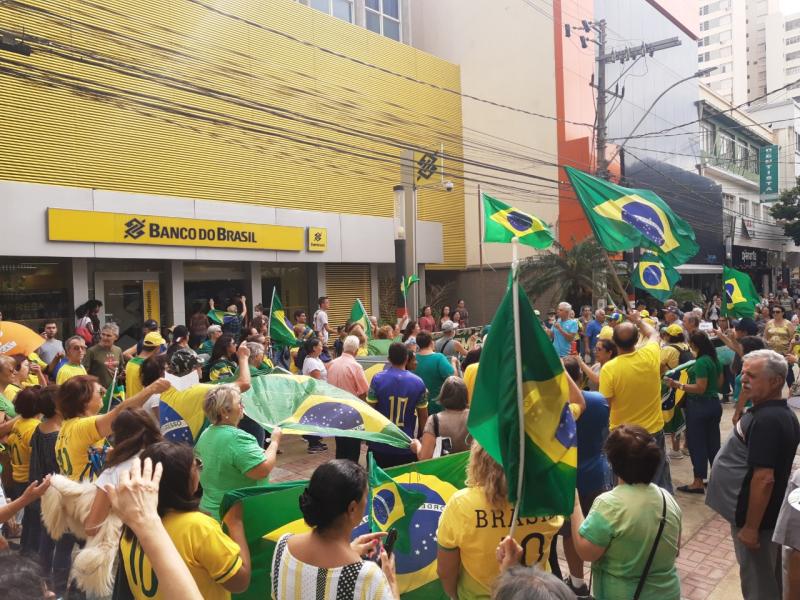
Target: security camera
column 448, row 186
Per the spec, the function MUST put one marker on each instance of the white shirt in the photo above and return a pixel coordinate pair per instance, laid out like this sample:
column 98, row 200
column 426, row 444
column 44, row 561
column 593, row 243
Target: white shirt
column 314, row 364
column 111, row 474
column 320, row 326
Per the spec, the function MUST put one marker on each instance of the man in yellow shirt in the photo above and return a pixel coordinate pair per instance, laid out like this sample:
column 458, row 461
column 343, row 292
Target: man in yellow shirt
column 76, row 350
column 133, row 380
column 631, row 383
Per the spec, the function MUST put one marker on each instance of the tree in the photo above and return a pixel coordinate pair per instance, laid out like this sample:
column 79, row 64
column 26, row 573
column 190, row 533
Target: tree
column 572, row 274
column 787, row 211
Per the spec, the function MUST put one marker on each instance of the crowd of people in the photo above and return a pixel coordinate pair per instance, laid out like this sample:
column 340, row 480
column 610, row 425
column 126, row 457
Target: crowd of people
column 646, row 388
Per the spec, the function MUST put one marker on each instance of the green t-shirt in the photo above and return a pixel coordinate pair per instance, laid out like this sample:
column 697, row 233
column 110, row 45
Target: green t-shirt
column 7, row 407
column 207, row 347
column 433, row 369
column 705, row 367
column 625, row 522
column 227, row 454
column 379, row 347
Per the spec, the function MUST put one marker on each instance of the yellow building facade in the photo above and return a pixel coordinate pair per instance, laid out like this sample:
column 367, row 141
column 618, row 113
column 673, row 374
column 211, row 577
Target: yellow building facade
column 205, row 114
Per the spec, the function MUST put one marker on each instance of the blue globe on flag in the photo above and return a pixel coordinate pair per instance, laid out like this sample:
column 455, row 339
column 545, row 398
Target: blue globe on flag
column 651, row 275
column 519, row 221
column 644, row 218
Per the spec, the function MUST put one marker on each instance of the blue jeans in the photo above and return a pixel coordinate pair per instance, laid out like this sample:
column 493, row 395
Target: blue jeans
column 703, row 415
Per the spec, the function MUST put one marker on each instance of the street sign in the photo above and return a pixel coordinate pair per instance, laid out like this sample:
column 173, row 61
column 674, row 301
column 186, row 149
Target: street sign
column 768, row 157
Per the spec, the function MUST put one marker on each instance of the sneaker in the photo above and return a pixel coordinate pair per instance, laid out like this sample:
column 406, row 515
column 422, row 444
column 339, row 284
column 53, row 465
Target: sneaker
column 675, row 454
column 582, row 593
column 316, row 449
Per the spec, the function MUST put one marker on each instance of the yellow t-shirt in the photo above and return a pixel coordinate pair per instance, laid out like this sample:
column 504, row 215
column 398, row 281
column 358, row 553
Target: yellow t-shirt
column 212, row 557
column 470, row 524
column 19, row 440
column 632, row 383
column 362, row 351
column 75, row 438
column 188, row 404
column 68, row 371
column 11, row 392
column 133, row 378
column 470, row 374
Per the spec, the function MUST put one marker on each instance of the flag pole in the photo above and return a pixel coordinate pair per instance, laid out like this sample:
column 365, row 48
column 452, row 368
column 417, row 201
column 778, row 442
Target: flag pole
column 113, row 387
column 518, row 369
column 480, row 250
column 269, row 321
column 614, row 275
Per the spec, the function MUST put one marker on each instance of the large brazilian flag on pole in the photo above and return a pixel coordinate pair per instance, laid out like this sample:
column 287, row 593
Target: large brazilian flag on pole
column 739, row 292
column 652, row 276
column 271, row 511
column 625, row 218
column 520, row 412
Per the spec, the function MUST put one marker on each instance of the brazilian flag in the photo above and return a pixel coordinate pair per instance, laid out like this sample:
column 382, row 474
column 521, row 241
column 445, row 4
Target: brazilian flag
column 358, row 314
column 652, row 276
column 219, row 317
column 739, row 292
column 502, row 223
column 672, row 398
column 115, row 394
column 626, row 218
column 550, row 440
column 279, row 331
column 273, row 510
column 406, row 284
column 303, row 405
column 392, row 506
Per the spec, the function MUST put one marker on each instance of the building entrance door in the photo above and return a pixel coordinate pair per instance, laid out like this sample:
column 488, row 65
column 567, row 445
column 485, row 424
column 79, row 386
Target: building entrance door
column 129, row 299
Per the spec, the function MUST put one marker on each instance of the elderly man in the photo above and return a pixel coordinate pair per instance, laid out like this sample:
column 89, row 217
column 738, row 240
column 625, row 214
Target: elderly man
column 212, row 335
column 76, row 350
column 345, row 373
column 631, row 383
column 672, row 315
column 751, row 471
column 691, row 323
column 565, row 330
column 104, row 358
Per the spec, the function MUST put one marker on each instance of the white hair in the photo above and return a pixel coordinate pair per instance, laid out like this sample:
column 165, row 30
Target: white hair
column 350, row 344
column 599, row 312
column 698, row 311
column 774, row 362
column 112, row 327
column 564, row 306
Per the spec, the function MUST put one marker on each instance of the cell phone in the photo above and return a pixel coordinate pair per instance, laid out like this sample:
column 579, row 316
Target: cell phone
column 388, row 545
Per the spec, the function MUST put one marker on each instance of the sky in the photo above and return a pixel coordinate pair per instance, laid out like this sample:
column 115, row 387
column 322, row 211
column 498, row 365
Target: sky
column 790, row 6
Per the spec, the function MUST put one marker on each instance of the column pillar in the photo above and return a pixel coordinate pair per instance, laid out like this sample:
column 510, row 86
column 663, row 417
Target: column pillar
column 175, row 289
column 375, row 292
column 254, row 297
column 80, row 283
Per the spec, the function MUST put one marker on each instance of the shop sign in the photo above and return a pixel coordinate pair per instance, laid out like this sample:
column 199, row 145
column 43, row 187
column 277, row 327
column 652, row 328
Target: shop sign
column 116, row 228
column 768, row 157
column 749, row 257
column 317, row 239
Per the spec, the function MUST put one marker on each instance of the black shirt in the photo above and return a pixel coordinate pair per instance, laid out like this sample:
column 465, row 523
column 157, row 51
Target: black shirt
column 772, row 439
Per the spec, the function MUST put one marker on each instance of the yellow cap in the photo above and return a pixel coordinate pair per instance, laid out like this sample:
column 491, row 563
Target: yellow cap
column 674, row 330
column 606, row 333
column 153, row 340
column 644, row 314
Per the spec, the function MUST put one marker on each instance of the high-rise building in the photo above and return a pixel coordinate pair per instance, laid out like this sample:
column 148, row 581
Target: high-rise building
column 723, row 46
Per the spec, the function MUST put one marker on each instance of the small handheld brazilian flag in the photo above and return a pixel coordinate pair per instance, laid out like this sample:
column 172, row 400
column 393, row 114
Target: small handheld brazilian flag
column 406, row 284
column 502, row 223
column 391, row 505
column 652, row 276
column 740, row 294
column 279, row 331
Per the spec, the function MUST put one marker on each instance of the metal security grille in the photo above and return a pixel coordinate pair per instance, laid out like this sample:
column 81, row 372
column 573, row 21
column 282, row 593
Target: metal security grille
column 343, row 284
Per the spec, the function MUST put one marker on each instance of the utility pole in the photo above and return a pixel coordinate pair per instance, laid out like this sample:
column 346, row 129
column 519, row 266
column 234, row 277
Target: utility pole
column 600, row 135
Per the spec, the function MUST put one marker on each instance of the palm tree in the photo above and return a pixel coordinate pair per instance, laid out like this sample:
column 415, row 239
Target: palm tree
column 572, row 274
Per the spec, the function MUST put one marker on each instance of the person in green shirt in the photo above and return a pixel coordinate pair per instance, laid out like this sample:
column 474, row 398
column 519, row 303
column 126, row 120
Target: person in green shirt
column 433, row 368
column 703, row 409
column 213, row 334
column 232, row 458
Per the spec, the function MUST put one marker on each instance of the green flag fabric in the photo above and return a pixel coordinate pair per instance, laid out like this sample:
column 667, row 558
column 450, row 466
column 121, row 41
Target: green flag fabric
column 626, row 218
column 272, row 511
column 739, row 293
column 550, row 449
column 392, row 505
column 652, row 276
column 113, row 396
column 302, row 405
column 218, row 316
column 358, row 314
column 279, row 332
column 502, row 223
column 407, row 282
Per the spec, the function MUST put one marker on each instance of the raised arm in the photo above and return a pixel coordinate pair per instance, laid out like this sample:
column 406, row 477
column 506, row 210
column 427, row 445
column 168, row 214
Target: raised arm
column 104, row 422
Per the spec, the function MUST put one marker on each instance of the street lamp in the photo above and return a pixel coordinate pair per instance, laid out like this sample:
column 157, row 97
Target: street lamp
column 700, row 73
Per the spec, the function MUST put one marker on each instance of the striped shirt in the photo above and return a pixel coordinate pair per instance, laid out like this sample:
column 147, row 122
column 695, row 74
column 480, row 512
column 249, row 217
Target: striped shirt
column 296, row 580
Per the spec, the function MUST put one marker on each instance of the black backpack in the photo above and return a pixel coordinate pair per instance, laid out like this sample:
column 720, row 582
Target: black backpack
column 684, row 355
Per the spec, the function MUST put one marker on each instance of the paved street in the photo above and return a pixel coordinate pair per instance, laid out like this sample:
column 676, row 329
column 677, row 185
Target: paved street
column 707, row 564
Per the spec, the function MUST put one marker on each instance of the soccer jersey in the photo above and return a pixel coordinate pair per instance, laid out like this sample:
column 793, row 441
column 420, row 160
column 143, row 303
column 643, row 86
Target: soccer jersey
column 19, row 441
column 397, row 394
column 212, row 557
column 75, row 438
column 133, row 378
column 68, row 371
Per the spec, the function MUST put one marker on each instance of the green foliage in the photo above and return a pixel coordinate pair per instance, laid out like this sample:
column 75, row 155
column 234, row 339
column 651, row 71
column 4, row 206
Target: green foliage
column 570, row 274
column 787, row 210
column 681, row 295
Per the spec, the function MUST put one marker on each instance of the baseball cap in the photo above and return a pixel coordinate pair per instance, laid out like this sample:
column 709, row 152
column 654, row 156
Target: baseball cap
column 448, row 326
column 644, row 314
column 153, row 340
column 183, row 361
column 747, row 325
column 674, row 330
column 151, row 325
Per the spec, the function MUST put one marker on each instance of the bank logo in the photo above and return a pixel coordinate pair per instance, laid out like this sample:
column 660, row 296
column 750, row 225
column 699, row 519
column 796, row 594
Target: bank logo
column 426, row 166
column 134, row 229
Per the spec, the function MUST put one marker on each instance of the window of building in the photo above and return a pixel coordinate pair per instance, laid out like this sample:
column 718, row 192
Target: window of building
column 383, row 16
column 793, row 55
column 707, row 137
column 792, row 40
column 793, row 24
column 728, row 202
column 341, row 9
column 744, row 207
column 726, row 146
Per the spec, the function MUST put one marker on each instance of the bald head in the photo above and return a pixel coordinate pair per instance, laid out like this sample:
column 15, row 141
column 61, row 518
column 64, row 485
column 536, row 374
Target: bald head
column 625, row 336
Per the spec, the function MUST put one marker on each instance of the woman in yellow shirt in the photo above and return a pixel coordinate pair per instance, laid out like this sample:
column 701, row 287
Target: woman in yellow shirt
column 219, row 564
column 19, row 443
column 79, row 401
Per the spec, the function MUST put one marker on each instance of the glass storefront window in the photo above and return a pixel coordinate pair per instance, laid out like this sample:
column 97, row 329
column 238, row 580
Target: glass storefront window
column 290, row 281
column 34, row 291
column 222, row 281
